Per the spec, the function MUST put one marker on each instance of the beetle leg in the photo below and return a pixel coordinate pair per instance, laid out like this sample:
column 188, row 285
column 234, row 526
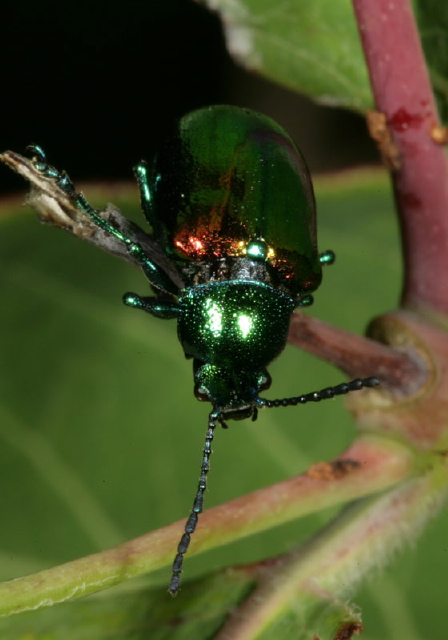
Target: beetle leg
column 156, row 276
column 305, row 301
column 141, row 174
column 327, row 257
column 163, row 309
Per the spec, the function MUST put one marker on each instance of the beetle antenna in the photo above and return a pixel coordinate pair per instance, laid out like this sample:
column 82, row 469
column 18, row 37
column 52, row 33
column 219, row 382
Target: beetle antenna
column 198, row 504
column 323, row 394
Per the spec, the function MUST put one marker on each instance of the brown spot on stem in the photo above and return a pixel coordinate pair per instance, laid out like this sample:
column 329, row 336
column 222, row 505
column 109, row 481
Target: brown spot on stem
column 348, row 630
column 439, row 134
column 332, row 470
column 379, row 131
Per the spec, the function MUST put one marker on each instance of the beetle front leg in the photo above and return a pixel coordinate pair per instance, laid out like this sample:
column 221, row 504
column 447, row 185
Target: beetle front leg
column 155, row 274
column 163, row 309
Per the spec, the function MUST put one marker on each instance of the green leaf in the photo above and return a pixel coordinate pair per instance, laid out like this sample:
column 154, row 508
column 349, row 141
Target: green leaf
column 432, row 18
column 310, row 47
column 137, row 613
column 314, row 47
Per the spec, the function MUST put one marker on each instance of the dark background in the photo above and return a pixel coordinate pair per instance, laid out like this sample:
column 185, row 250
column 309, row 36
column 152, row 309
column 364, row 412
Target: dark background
column 98, row 84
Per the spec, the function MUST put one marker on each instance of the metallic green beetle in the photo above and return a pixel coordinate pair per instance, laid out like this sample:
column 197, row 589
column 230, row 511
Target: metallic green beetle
column 231, row 205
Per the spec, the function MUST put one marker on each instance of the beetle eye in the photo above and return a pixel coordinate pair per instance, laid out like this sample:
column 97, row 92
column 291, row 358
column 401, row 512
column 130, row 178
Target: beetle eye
column 264, row 381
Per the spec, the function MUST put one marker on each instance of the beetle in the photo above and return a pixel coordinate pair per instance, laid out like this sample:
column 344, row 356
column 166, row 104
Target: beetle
column 231, row 204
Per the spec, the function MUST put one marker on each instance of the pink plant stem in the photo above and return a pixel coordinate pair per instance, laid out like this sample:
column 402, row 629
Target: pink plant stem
column 403, row 93
column 371, row 466
column 356, row 356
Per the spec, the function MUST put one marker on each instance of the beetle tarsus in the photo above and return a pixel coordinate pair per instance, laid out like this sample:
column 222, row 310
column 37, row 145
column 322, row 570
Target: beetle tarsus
column 327, row 257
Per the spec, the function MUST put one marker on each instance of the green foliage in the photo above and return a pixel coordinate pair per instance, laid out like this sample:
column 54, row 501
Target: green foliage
column 314, row 47
column 134, row 614
column 310, row 47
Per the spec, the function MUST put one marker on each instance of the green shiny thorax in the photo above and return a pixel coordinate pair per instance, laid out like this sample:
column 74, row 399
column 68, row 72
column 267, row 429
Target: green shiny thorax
column 236, row 325
column 228, row 177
